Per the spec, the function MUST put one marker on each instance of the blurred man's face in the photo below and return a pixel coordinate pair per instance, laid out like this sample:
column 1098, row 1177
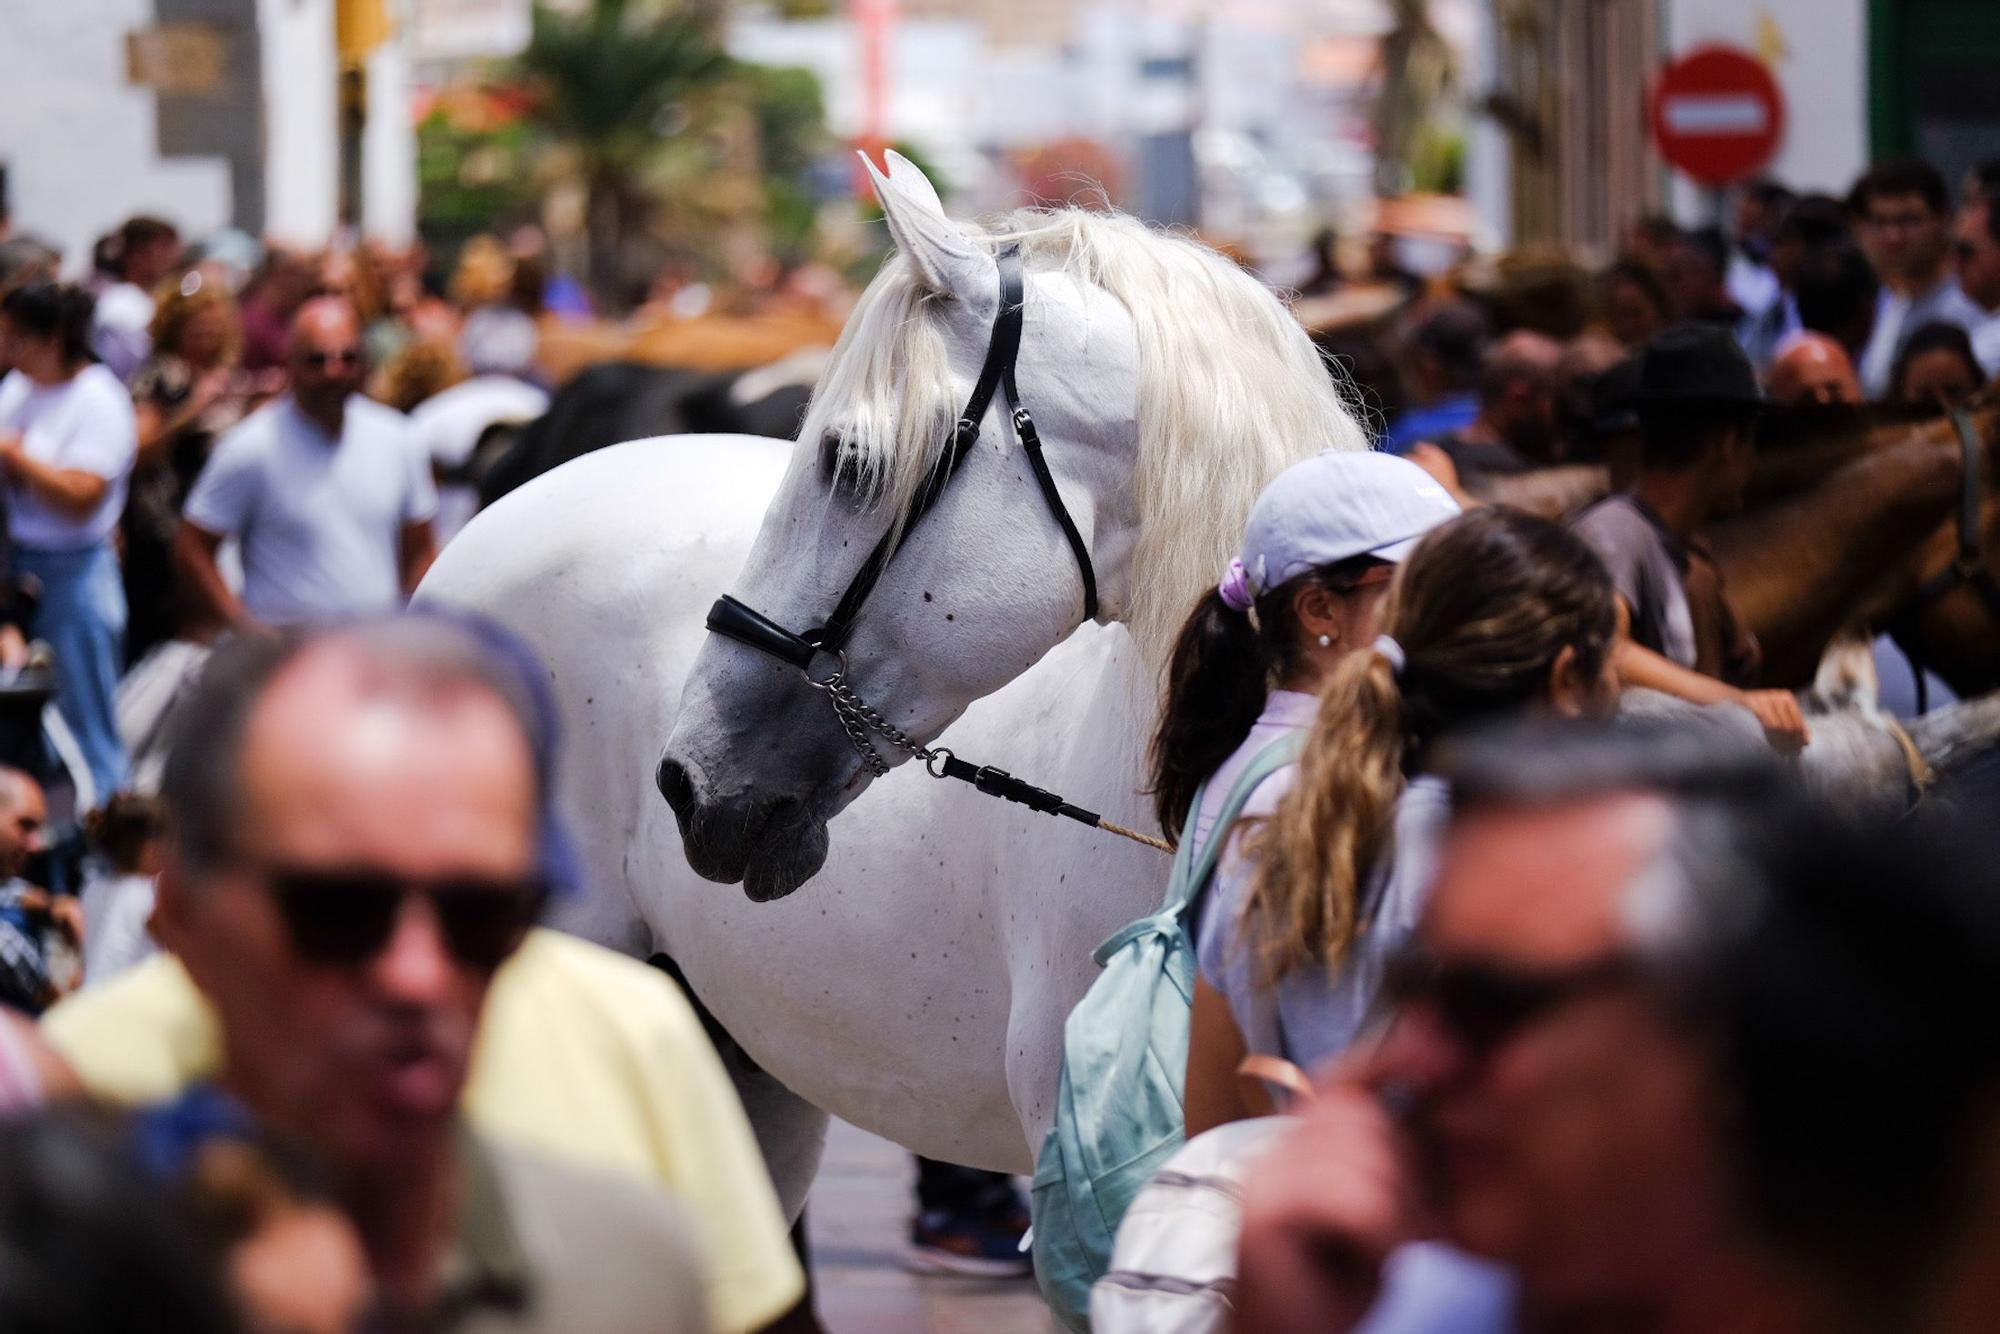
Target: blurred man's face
column 1977, row 255
column 1566, row 1125
column 361, row 802
column 1813, row 370
column 328, row 363
column 24, row 816
column 1754, row 224
column 1694, row 283
column 1906, row 239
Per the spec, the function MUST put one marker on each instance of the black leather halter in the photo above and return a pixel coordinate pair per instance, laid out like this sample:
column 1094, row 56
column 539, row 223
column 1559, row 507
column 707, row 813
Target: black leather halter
column 736, row 620
column 1968, row 565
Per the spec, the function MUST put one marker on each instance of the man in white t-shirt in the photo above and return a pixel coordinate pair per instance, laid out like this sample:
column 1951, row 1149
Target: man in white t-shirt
column 328, row 493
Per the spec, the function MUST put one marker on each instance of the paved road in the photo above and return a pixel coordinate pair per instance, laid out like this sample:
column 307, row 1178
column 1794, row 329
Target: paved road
column 859, row 1219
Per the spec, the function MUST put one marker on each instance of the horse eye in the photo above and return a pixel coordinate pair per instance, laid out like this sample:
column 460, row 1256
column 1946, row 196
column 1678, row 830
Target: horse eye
column 839, row 469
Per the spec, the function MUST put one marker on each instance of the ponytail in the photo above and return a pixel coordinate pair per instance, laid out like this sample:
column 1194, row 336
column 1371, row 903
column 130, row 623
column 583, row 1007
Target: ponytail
column 1480, row 612
column 1331, row 827
column 1216, row 683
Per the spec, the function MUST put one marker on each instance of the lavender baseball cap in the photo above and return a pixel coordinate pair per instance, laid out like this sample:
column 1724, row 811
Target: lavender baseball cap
column 1330, row 508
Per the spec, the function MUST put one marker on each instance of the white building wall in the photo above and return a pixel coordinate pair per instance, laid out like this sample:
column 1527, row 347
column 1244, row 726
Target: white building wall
column 389, row 144
column 79, row 142
column 301, row 120
column 1821, row 50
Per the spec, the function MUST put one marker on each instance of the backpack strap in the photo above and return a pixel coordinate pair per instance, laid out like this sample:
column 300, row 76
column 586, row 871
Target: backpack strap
column 1191, row 875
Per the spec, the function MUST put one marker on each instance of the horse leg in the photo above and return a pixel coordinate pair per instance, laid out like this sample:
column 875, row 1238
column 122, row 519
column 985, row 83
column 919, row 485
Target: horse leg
column 791, row 1132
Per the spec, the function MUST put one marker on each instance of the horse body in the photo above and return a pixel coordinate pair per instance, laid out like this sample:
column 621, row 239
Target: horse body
column 918, row 985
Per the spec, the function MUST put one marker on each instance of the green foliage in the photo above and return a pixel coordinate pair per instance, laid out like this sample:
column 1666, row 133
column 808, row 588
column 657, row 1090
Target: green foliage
column 790, row 114
column 1437, row 160
column 471, row 180
column 670, row 141
column 613, row 79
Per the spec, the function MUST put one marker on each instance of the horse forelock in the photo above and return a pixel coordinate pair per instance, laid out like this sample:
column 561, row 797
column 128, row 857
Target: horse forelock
column 1231, row 391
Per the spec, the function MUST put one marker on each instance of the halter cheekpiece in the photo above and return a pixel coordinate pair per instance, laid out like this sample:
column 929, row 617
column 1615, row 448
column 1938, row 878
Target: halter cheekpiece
column 819, row 653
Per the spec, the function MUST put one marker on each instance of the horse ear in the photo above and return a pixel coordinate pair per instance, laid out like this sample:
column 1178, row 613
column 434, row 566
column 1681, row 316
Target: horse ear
column 944, row 257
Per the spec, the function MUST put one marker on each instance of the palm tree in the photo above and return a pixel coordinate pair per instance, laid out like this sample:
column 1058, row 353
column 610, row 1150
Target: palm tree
column 614, row 80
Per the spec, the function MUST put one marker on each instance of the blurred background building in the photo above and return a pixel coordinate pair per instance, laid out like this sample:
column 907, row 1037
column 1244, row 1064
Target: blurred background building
column 709, row 132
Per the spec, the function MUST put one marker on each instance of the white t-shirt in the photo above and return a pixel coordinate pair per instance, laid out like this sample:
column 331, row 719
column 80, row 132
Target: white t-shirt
column 121, row 328
column 320, row 521
column 1897, row 317
column 85, row 423
column 116, row 910
column 1986, row 342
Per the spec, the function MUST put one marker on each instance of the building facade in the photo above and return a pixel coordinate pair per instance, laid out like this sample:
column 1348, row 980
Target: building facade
column 1570, row 158
column 210, row 113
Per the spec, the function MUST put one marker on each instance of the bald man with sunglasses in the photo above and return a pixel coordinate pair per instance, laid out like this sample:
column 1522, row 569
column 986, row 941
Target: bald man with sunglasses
column 361, row 840
column 327, row 492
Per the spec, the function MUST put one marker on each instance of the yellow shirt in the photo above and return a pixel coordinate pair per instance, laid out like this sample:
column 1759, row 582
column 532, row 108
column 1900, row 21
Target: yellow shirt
column 583, row 1054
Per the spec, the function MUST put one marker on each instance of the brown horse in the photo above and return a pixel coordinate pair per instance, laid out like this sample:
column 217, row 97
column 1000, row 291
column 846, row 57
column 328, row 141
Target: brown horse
column 1850, row 514
column 1846, row 526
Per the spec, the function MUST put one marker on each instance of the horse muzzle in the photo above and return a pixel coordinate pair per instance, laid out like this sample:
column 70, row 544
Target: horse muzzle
column 769, row 843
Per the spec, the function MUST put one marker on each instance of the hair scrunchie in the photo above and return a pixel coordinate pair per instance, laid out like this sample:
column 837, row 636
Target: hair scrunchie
column 1392, row 653
column 1235, row 588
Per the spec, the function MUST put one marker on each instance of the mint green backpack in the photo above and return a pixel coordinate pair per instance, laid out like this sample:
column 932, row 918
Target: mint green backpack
column 1125, row 1047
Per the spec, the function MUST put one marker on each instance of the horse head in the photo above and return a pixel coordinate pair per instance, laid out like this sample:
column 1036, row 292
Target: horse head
column 1166, row 386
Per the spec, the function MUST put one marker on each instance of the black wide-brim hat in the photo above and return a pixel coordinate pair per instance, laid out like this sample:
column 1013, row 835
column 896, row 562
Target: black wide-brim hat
column 1696, row 365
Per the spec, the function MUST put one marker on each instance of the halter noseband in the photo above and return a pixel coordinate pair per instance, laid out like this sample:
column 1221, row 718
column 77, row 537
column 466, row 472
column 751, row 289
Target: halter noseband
column 736, row 620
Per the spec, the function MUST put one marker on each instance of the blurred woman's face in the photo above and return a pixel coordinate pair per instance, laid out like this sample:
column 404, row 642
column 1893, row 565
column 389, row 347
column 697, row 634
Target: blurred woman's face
column 204, row 335
column 1939, row 376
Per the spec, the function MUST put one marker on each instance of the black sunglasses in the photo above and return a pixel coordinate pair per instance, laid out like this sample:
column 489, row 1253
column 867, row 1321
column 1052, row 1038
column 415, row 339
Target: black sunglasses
column 347, row 916
column 1483, row 1004
column 346, row 356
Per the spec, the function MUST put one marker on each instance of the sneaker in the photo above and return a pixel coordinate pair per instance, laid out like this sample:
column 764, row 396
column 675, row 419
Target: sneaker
column 974, row 1244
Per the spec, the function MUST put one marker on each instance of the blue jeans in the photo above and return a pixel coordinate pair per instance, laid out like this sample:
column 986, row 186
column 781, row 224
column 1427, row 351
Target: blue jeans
column 82, row 616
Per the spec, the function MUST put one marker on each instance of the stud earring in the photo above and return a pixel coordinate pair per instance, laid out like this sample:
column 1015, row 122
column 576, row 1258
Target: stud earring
column 1326, row 641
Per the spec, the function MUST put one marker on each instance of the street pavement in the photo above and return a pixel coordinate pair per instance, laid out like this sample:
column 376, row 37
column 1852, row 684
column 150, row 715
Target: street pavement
column 859, row 1218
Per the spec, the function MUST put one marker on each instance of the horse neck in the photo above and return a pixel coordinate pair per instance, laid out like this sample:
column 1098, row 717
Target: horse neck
column 1843, row 550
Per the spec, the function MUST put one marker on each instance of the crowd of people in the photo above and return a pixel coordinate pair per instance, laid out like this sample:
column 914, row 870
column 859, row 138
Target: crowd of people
column 1890, row 295
column 210, row 454
column 1550, row 999
column 179, row 399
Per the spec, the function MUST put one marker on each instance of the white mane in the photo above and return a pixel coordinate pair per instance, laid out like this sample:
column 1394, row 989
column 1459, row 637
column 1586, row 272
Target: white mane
column 1231, row 391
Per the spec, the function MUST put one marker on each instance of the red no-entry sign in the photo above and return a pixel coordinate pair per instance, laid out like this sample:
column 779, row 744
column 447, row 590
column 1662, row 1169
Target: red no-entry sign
column 1717, row 115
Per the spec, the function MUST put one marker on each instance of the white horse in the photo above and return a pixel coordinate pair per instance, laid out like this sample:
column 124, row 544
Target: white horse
column 918, row 981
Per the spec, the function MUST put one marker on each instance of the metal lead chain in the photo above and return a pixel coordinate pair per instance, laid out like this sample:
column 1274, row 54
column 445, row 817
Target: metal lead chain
column 862, row 724
column 857, row 719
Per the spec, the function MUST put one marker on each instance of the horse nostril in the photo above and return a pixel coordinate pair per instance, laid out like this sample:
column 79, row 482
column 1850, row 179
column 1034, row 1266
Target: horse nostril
column 675, row 785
